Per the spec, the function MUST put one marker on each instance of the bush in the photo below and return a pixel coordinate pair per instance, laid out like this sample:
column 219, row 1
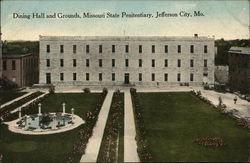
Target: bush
column 52, row 90
column 105, row 90
column 86, row 90
column 132, row 90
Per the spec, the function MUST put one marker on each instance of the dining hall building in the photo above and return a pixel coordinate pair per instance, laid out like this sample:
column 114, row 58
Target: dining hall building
column 126, row 60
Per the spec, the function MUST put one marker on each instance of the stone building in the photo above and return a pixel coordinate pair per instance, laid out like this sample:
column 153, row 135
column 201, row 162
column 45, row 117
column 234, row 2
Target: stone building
column 108, row 60
column 21, row 69
column 239, row 69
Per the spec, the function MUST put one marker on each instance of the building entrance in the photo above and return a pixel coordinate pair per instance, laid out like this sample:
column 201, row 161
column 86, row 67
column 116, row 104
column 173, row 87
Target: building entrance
column 126, row 78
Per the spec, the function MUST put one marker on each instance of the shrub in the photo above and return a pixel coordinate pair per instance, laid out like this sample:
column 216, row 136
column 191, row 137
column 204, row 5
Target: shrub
column 105, row 90
column 52, row 90
column 86, row 90
column 132, row 90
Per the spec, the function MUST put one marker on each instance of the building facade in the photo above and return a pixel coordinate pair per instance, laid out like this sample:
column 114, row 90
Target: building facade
column 21, row 69
column 73, row 60
column 239, row 69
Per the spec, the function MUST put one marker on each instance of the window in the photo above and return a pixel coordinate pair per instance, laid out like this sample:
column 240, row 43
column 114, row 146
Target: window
column 13, row 65
column 100, row 48
column 140, row 62
column 153, row 77
column 140, row 76
column 191, row 63
column 126, row 62
column 191, row 77
column 166, row 63
column 205, row 63
column 48, row 62
column 74, row 62
column 48, row 48
column 153, row 48
column 113, row 76
column 165, row 77
column 126, row 48
column 4, row 65
column 100, row 62
column 178, row 77
column 205, row 48
column 87, row 76
column 166, row 48
column 74, row 48
column 48, row 78
column 113, row 48
column 61, row 49
column 191, row 48
column 140, row 48
column 113, row 62
column 87, row 49
column 205, row 74
column 179, row 49
column 74, row 76
column 87, row 62
column 153, row 63
column 179, row 63
column 61, row 62
column 100, row 76
column 61, row 76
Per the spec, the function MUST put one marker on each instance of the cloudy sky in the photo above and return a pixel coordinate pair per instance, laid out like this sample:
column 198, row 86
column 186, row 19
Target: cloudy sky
column 228, row 19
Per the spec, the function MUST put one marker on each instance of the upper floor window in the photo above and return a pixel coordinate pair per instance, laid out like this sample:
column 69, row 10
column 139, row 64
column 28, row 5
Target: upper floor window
column 140, row 62
column 87, row 76
column 74, row 48
column 87, row 49
column 47, row 62
column 140, row 76
column 166, row 48
column 205, row 63
column 191, row 48
column 113, row 76
column 140, row 48
column 48, row 48
column 87, row 62
column 126, row 62
column 74, row 62
column 191, row 63
column 153, row 63
column 126, row 48
column 74, row 76
column 153, row 77
column 165, row 77
column 100, row 76
column 191, row 77
column 13, row 65
column 153, row 48
column 61, row 76
column 179, row 49
column 100, row 62
column 100, row 48
column 113, row 48
column 205, row 48
column 113, row 62
column 179, row 63
column 178, row 77
column 166, row 63
column 61, row 48
column 61, row 62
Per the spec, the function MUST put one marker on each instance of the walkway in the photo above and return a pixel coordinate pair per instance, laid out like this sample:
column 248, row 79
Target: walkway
column 130, row 147
column 94, row 143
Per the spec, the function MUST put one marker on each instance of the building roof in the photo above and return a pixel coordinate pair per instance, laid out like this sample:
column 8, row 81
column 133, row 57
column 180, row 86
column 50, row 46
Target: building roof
column 124, row 38
column 16, row 55
column 240, row 50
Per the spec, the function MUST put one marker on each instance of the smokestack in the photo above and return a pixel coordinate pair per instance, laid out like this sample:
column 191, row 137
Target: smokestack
column 196, row 35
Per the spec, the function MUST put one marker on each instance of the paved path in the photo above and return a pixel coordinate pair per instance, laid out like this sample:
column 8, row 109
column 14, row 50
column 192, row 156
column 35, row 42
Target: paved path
column 130, row 147
column 94, row 143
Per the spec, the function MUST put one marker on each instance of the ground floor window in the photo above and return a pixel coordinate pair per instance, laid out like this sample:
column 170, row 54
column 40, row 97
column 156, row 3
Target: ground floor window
column 140, row 76
column 100, row 76
column 165, row 77
column 61, row 76
column 87, row 76
column 74, row 76
column 113, row 76
column 48, row 78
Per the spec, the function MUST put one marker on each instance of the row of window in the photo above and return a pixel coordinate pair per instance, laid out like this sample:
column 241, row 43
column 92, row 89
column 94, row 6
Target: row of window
column 113, row 48
column 13, row 65
column 100, row 61
column 100, row 76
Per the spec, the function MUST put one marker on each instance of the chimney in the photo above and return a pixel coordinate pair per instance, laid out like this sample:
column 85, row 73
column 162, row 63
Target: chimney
column 196, row 35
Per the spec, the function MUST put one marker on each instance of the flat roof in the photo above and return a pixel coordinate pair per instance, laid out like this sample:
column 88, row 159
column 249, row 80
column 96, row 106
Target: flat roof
column 123, row 38
column 240, row 50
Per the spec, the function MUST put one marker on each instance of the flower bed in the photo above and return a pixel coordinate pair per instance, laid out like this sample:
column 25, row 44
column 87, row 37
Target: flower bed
column 113, row 131
column 5, row 111
column 210, row 141
column 86, row 131
column 142, row 145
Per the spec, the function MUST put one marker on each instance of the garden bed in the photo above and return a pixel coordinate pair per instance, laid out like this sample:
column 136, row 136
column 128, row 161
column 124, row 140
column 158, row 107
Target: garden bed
column 6, row 96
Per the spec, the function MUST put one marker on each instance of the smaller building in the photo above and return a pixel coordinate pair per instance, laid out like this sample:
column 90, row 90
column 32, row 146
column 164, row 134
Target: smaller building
column 22, row 69
column 239, row 69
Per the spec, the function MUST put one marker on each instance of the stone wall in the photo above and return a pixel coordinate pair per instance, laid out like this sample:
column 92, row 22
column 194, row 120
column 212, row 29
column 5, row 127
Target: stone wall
column 120, row 55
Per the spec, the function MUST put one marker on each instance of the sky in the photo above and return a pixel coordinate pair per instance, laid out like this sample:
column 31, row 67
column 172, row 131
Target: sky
column 228, row 19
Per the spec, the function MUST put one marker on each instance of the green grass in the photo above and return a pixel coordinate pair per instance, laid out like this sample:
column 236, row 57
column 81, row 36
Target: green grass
column 47, row 148
column 6, row 96
column 102, row 156
column 174, row 120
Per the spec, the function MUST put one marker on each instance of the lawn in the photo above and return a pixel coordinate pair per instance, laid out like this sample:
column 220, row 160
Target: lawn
column 6, row 96
column 174, row 120
column 53, row 148
column 112, row 146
